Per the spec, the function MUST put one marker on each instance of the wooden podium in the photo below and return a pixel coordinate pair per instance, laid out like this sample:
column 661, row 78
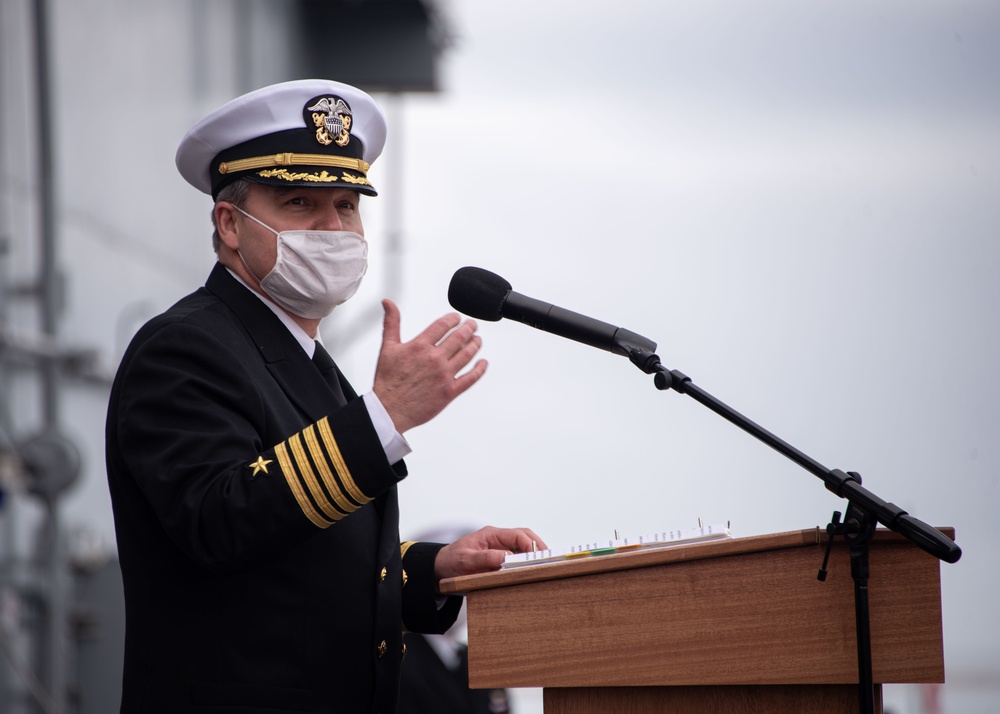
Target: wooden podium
column 737, row 625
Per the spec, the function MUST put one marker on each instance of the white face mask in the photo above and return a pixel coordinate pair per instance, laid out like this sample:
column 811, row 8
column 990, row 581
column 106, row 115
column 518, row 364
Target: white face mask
column 315, row 270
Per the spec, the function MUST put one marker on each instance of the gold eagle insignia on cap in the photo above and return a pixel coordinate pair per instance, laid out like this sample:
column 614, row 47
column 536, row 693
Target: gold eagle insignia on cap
column 332, row 117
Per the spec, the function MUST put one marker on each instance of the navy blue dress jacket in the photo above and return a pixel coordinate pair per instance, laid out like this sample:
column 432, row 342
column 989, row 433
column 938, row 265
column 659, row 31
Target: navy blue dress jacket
column 257, row 523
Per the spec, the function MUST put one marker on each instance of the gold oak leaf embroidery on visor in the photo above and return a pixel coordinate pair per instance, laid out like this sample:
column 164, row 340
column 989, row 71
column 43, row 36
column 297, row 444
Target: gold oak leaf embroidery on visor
column 300, row 463
column 355, row 179
column 321, row 177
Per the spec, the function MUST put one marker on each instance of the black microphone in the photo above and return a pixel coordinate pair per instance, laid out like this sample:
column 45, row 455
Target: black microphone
column 486, row 296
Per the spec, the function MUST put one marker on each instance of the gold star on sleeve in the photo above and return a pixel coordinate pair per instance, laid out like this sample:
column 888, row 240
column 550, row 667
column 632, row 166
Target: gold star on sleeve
column 259, row 465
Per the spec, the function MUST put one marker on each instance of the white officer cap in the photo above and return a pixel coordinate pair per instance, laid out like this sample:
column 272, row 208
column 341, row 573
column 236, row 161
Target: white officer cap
column 309, row 132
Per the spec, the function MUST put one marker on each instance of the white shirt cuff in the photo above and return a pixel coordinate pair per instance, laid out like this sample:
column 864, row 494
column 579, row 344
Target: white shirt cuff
column 393, row 443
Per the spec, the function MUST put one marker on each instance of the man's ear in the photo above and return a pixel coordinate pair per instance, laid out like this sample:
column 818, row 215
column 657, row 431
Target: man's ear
column 225, row 224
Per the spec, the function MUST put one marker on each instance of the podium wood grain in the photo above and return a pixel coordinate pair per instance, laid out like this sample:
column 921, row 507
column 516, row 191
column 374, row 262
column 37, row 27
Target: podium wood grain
column 745, row 612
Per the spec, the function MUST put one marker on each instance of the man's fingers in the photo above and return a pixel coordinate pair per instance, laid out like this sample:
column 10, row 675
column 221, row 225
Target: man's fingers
column 518, row 540
column 464, row 381
column 479, row 561
column 390, row 323
column 491, row 560
column 439, row 329
column 535, row 541
column 457, row 341
column 460, row 354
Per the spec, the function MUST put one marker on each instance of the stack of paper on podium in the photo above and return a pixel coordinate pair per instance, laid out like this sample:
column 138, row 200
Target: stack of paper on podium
column 661, row 539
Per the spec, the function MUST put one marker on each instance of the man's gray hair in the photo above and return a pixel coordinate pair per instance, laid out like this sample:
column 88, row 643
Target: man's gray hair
column 235, row 193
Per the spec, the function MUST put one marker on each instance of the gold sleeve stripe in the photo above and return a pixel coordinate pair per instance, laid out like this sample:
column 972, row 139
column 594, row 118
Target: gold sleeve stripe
column 309, row 476
column 323, row 466
column 290, row 159
column 339, row 464
column 288, row 470
column 403, row 547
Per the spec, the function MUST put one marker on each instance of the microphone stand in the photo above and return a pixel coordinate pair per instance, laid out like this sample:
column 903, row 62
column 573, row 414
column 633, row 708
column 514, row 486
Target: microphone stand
column 863, row 511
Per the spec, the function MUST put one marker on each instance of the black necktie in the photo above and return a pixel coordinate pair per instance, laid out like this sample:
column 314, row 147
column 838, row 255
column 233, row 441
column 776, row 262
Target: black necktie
column 324, row 363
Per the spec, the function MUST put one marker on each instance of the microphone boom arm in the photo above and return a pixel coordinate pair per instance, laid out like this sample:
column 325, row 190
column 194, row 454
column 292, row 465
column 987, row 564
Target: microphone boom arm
column 846, row 485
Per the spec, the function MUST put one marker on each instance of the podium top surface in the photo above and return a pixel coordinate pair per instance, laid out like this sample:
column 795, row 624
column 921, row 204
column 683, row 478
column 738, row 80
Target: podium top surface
column 645, row 558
